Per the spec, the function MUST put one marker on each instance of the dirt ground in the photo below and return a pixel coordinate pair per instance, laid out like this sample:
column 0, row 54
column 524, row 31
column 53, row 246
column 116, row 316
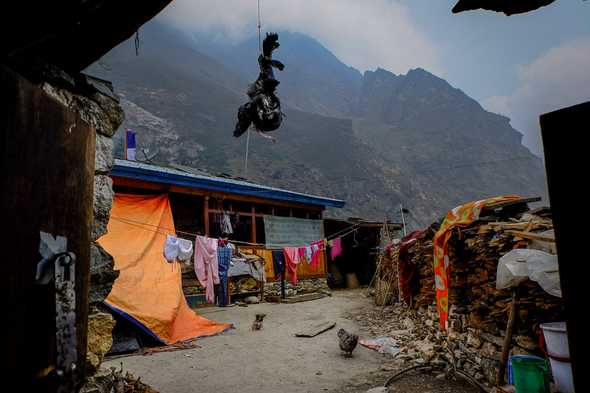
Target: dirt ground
column 274, row 360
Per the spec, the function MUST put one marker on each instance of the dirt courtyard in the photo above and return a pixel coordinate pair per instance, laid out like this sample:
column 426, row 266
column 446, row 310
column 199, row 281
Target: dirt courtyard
column 273, row 359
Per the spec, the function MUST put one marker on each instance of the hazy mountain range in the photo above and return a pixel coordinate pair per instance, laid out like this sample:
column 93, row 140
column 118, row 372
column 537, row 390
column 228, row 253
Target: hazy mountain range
column 375, row 139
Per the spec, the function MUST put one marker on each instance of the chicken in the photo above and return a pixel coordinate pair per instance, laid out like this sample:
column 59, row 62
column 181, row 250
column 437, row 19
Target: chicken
column 347, row 342
column 257, row 324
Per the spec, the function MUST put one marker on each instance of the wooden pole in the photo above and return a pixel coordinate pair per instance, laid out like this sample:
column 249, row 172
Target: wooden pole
column 253, row 228
column 206, row 215
column 508, row 337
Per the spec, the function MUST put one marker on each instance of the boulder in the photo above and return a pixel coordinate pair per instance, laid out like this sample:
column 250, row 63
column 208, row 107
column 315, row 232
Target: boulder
column 252, row 300
column 473, row 339
column 380, row 389
column 100, row 339
column 103, row 157
column 100, row 111
column 426, row 349
column 102, row 274
column 103, row 201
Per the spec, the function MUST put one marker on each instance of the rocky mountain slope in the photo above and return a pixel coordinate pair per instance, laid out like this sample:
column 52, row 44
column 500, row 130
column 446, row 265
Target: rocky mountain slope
column 375, row 140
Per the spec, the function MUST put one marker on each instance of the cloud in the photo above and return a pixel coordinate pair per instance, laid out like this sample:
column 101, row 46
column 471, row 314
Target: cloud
column 558, row 78
column 363, row 34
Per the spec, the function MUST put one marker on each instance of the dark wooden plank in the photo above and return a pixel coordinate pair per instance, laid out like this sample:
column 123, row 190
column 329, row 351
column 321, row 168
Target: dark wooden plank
column 304, row 298
column 565, row 155
column 316, row 329
column 47, row 161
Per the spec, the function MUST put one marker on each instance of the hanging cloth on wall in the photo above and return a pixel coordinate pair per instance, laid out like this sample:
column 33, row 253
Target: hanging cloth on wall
column 206, row 265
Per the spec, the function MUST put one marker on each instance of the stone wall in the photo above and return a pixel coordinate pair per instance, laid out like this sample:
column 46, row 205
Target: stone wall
column 96, row 103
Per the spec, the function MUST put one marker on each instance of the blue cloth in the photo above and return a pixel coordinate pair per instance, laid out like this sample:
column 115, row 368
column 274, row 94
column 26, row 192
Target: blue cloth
column 278, row 262
column 224, row 258
column 223, row 261
column 223, row 297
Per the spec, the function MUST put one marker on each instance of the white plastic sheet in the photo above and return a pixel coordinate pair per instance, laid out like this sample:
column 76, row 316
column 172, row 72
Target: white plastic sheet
column 521, row 264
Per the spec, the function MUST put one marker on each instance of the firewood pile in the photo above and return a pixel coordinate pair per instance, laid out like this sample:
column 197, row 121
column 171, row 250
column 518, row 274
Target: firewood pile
column 474, row 255
column 386, row 278
column 422, row 283
column 478, row 311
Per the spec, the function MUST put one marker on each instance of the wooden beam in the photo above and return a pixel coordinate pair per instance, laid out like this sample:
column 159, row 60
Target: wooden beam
column 206, row 215
column 531, row 236
column 245, row 214
column 141, row 184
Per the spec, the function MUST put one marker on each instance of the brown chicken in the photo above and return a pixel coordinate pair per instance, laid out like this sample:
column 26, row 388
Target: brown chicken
column 348, row 342
column 257, row 324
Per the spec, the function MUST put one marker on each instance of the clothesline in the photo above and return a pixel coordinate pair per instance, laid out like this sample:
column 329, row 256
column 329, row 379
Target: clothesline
column 168, row 231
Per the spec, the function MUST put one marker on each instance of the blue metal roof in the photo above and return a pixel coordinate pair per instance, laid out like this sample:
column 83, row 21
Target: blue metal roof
column 162, row 175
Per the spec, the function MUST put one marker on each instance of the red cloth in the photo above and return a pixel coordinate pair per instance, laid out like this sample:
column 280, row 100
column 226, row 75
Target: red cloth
column 301, row 254
column 292, row 259
column 406, row 268
column 316, row 249
column 336, row 250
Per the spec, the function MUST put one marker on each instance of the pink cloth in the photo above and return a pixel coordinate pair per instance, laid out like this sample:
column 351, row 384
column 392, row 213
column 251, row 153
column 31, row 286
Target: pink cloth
column 336, row 250
column 316, row 249
column 292, row 259
column 206, row 265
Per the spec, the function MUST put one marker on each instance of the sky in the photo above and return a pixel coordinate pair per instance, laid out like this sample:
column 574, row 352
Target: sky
column 520, row 66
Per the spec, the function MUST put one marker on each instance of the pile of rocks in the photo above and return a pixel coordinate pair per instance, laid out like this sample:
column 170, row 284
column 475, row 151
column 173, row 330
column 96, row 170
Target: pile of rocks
column 312, row 285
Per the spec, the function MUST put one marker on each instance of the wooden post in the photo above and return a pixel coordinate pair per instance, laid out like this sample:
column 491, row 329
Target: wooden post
column 508, row 337
column 47, row 161
column 253, row 236
column 206, row 215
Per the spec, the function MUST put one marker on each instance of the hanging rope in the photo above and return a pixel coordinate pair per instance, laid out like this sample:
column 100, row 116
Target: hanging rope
column 172, row 231
column 259, row 25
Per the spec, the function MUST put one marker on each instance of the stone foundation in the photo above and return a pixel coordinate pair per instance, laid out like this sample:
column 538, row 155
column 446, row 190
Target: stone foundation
column 97, row 104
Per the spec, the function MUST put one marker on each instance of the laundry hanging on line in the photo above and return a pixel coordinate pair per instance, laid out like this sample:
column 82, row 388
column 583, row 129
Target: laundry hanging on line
column 177, row 249
column 206, row 265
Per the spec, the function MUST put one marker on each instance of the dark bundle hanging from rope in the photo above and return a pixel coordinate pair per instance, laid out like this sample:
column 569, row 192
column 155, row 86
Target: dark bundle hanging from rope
column 264, row 108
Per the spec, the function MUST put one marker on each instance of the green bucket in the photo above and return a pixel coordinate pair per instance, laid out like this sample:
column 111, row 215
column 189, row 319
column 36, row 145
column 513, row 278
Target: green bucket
column 530, row 374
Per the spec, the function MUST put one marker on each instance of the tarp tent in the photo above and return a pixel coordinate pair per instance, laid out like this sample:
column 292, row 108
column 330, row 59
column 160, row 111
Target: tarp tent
column 148, row 290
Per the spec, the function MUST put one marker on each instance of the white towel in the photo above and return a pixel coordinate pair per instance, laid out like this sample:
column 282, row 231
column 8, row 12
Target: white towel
column 185, row 249
column 171, row 248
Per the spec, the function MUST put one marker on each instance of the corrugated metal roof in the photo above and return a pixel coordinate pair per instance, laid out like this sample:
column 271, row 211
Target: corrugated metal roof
column 164, row 175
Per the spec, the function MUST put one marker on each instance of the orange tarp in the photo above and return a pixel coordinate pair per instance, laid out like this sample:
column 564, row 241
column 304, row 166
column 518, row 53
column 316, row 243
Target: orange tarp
column 148, row 288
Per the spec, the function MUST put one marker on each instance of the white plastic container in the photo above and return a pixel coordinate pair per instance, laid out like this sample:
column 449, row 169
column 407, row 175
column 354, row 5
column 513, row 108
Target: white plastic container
column 559, row 355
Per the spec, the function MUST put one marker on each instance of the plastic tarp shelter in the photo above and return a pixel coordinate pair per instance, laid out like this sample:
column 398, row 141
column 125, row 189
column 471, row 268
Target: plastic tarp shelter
column 148, row 291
